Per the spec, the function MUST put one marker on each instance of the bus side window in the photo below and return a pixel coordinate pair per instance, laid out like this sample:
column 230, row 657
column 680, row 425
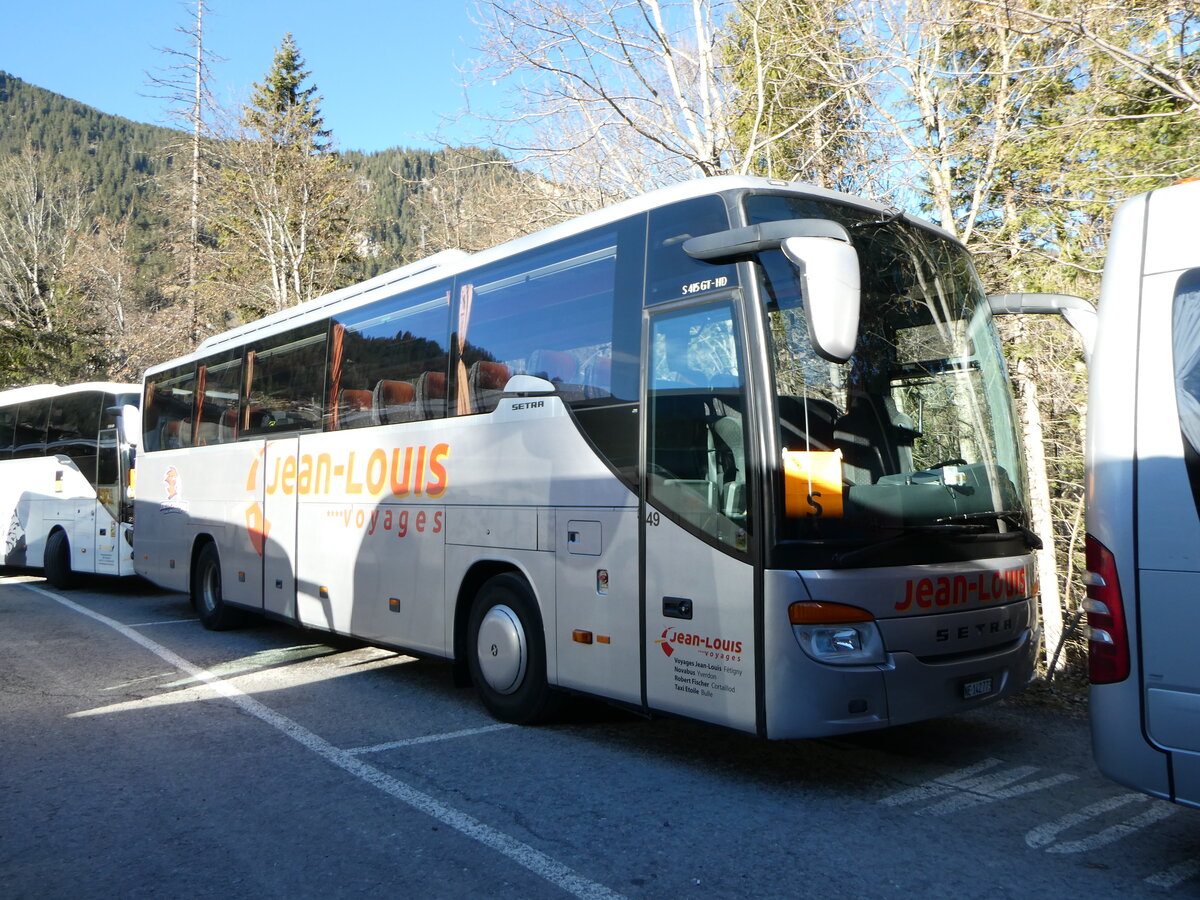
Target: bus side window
column 8, row 421
column 74, row 425
column 697, row 442
column 548, row 312
column 394, row 352
column 167, row 417
column 286, row 383
column 30, row 436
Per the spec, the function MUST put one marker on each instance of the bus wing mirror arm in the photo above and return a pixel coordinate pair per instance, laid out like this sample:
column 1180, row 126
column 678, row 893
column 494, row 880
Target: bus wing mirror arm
column 1079, row 313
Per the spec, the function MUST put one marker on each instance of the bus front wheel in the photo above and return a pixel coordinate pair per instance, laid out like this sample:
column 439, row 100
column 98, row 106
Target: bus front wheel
column 57, row 561
column 207, row 600
column 506, row 653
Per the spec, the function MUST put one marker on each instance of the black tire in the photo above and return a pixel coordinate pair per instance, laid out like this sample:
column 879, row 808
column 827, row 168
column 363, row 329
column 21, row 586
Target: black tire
column 56, row 562
column 214, row 613
column 506, row 653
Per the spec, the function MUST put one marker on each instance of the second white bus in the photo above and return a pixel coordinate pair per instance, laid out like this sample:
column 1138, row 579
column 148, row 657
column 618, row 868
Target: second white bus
column 1143, row 500
column 738, row 450
column 66, row 460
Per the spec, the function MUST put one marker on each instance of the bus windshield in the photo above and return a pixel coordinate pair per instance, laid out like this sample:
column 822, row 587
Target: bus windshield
column 914, row 434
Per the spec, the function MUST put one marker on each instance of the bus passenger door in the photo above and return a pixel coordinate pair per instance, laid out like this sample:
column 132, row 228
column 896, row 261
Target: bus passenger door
column 106, row 523
column 699, row 584
column 279, row 526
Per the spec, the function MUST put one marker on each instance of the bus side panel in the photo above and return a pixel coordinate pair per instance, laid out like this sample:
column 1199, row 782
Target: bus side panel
column 279, row 514
column 535, row 566
column 1115, row 710
column 214, row 493
column 598, row 601
column 22, row 490
column 37, row 495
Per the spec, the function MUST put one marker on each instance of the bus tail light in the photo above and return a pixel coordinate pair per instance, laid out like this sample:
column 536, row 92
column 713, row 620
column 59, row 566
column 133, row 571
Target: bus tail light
column 837, row 634
column 1108, row 637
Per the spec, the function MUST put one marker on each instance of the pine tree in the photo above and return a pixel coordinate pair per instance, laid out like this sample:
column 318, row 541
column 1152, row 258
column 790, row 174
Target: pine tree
column 287, row 211
column 284, row 110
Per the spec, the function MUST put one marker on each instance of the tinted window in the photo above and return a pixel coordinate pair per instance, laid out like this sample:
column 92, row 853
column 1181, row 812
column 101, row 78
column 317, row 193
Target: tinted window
column 8, row 421
column 387, row 362
column 219, row 383
column 548, row 313
column 670, row 273
column 30, row 434
column 286, row 379
column 167, row 410
column 73, row 425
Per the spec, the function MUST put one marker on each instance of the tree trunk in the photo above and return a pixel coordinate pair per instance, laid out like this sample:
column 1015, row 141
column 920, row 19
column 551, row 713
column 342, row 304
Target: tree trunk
column 1042, row 520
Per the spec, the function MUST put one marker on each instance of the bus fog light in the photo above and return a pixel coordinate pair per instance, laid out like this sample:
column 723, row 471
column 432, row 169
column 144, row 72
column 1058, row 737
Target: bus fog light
column 858, row 644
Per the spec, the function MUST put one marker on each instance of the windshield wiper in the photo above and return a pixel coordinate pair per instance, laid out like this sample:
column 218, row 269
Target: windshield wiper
column 941, row 527
column 1007, row 516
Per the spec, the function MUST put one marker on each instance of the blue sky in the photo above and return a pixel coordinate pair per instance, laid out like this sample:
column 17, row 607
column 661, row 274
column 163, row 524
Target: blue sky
column 387, row 70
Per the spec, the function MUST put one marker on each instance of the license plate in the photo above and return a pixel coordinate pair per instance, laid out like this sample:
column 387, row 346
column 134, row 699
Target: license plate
column 977, row 688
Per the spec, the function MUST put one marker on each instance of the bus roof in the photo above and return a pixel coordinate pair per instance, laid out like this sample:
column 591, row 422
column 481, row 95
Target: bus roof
column 40, row 391
column 451, row 262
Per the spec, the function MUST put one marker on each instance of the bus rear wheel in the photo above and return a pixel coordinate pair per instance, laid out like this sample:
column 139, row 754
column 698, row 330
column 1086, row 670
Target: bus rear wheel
column 214, row 613
column 506, row 653
column 57, row 561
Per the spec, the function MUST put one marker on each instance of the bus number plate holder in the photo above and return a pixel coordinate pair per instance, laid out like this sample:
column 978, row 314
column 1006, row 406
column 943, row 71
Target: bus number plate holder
column 980, row 687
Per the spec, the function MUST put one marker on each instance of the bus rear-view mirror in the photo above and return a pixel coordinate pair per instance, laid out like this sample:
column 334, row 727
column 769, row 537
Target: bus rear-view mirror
column 828, row 270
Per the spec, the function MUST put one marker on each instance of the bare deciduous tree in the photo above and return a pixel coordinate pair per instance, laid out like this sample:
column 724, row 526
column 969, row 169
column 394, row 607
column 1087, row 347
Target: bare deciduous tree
column 184, row 84
column 43, row 215
column 624, row 92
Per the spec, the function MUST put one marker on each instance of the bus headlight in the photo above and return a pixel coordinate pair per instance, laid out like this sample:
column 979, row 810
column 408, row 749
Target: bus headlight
column 837, row 634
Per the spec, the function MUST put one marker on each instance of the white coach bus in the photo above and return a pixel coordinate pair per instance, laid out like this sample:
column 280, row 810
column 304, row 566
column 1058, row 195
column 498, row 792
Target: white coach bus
column 1143, row 500
column 66, row 462
column 738, row 450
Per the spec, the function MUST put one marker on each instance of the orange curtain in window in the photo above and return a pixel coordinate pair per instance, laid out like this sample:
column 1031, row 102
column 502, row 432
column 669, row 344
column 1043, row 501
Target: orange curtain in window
column 466, row 296
column 336, row 354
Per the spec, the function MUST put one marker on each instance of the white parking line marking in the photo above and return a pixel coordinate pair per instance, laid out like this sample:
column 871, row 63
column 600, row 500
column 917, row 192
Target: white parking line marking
column 1045, row 835
column 164, row 622
column 1176, row 875
column 430, row 739
column 521, row 853
column 970, row 788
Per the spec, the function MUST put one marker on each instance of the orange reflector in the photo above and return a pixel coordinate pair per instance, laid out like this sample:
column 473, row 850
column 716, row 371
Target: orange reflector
column 394, row 604
column 805, row 613
column 581, row 637
column 603, row 639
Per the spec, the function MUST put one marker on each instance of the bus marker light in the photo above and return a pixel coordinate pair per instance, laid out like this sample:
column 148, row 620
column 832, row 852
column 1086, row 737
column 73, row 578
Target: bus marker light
column 580, row 636
column 323, row 593
column 394, row 604
column 1108, row 642
column 804, row 613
